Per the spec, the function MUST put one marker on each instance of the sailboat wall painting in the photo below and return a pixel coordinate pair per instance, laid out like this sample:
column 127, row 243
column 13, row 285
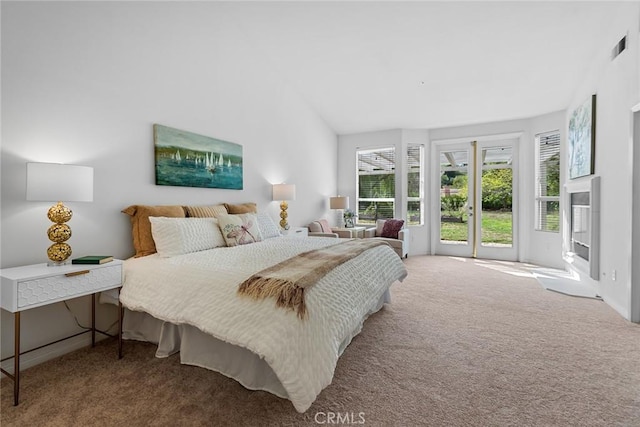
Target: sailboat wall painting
column 190, row 160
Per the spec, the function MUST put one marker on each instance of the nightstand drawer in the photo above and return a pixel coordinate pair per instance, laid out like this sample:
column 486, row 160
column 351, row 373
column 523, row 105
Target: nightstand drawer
column 59, row 287
column 35, row 285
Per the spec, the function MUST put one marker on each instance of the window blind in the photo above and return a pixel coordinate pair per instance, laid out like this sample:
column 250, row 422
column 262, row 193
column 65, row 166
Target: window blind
column 548, row 181
column 376, row 184
column 415, row 184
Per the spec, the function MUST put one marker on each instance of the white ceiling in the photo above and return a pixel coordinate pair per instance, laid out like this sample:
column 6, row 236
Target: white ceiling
column 367, row 66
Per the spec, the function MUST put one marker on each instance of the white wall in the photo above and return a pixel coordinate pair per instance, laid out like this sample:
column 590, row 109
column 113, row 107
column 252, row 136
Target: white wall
column 83, row 83
column 634, row 293
column 617, row 88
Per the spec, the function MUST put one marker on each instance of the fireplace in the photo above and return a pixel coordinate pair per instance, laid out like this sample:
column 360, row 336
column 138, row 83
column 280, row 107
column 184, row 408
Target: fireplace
column 580, row 238
column 582, row 232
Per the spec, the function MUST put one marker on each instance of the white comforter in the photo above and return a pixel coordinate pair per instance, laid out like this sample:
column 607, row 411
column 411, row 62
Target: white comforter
column 199, row 289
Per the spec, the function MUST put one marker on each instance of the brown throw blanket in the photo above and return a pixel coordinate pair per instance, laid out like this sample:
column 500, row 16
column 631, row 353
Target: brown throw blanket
column 287, row 280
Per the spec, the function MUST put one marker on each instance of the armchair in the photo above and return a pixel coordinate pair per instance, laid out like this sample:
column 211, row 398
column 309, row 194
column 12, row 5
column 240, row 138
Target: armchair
column 321, row 228
column 387, row 229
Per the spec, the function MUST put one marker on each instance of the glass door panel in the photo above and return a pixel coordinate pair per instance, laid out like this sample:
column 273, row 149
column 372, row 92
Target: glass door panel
column 453, row 197
column 455, row 225
column 497, row 197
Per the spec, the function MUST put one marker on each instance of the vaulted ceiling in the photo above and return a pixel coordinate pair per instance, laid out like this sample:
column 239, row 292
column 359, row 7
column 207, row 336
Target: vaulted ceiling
column 367, row 66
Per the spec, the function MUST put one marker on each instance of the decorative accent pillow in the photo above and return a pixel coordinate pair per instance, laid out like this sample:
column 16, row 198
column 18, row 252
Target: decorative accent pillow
column 205, row 211
column 240, row 229
column 324, row 225
column 177, row 236
column 141, row 227
column 391, row 228
column 241, row 209
column 320, row 226
column 268, row 228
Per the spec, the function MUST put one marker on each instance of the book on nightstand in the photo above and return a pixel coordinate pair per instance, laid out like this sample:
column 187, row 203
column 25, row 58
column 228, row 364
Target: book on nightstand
column 92, row 259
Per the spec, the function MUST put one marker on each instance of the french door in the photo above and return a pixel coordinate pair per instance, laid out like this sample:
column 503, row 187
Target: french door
column 475, row 205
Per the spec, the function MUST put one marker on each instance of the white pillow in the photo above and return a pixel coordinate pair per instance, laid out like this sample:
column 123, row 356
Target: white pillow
column 240, row 229
column 268, row 228
column 177, row 236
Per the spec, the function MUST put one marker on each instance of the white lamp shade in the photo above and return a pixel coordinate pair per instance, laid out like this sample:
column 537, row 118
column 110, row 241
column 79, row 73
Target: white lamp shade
column 340, row 202
column 53, row 182
column 284, row 192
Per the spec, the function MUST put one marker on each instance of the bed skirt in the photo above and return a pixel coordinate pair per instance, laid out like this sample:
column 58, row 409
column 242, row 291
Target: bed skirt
column 200, row 349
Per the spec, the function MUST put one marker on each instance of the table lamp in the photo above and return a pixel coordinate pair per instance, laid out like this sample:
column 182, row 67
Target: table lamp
column 54, row 182
column 339, row 203
column 284, row 192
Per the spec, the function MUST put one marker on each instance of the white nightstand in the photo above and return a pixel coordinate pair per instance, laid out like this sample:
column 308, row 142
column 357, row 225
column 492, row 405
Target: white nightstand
column 296, row 232
column 36, row 285
column 351, row 232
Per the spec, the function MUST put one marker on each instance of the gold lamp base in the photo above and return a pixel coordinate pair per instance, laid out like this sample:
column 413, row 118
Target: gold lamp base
column 283, row 215
column 59, row 233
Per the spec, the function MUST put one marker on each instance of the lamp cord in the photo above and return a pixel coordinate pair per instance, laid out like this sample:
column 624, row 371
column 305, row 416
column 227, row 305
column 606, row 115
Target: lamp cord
column 86, row 328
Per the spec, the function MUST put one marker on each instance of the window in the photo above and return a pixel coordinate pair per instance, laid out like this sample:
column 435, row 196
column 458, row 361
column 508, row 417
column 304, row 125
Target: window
column 548, row 181
column 415, row 184
column 376, row 184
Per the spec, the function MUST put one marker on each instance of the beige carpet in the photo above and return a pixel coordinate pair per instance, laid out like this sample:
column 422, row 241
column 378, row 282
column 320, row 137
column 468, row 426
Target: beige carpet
column 465, row 343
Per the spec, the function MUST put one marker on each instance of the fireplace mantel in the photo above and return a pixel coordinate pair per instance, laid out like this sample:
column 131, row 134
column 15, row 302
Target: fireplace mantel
column 581, row 237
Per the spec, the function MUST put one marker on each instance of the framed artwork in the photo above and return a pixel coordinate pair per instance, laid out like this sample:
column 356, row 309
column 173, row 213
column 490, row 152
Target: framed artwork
column 190, row 160
column 582, row 139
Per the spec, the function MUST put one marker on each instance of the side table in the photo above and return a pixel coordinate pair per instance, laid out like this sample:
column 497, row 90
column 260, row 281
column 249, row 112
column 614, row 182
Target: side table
column 296, row 232
column 37, row 285
column 349, row 233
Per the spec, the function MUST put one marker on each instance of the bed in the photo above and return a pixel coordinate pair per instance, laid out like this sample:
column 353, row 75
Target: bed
column 189, row 303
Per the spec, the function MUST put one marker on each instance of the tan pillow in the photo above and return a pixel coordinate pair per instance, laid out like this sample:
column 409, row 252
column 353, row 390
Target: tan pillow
column 205, row 211
column 242, row 208
column 315, row 227
column 141, row 226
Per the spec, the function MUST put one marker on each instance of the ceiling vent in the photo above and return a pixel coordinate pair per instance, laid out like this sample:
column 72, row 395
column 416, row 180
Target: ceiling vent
column 619, row 47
